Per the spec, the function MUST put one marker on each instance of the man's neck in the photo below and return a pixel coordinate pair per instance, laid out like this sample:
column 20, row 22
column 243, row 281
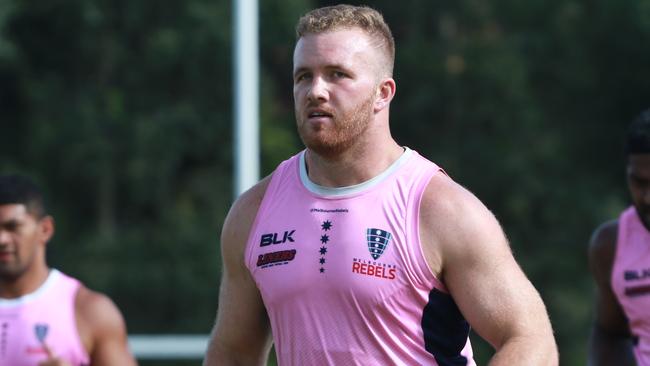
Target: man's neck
column 351, row 167
column 25, row 284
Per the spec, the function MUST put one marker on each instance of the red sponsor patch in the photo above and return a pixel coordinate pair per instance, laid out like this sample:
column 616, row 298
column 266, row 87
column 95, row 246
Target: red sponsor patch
column 35, row 350
column 637, row 290
column 281, row 257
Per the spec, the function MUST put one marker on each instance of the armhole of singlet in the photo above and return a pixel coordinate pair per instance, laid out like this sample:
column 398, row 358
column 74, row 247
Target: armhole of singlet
column 276, row 177
column 621, row 236
column 423, row 272
column 75, row 285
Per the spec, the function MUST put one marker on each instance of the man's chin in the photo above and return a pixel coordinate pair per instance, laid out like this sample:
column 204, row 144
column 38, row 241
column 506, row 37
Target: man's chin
column 325, row 151
column 9, row 274
column 645, row 218
column 646, row 222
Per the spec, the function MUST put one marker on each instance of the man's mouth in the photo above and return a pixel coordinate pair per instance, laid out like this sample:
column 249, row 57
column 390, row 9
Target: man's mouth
column 319, row 114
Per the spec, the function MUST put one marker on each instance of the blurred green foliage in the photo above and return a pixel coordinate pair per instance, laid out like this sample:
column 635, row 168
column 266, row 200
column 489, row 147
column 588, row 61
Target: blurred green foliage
column 122, row 110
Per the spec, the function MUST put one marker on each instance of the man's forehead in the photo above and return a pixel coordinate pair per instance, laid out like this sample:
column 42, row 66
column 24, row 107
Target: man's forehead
column 10, row 211
column 639, row 164
column 345, row 40
column 639, row 158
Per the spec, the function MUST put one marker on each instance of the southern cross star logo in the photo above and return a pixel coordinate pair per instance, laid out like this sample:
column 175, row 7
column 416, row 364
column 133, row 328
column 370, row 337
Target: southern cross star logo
column 324, row 239
column 377, row 241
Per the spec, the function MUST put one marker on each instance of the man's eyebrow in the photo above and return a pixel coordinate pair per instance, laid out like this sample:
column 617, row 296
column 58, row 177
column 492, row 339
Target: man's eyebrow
column 326, row 67
column 637, row 176
column 9, row 222
column 299, row 70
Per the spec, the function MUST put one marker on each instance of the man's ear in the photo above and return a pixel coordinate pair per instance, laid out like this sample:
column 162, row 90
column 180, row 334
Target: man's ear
column 385, row 93
column 46, row 227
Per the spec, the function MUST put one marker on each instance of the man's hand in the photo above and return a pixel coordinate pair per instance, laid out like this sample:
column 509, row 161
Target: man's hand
column 52, row 360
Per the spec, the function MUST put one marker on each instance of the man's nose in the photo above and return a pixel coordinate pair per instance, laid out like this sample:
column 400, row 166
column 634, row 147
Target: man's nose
column 4, row 237
column 318, row 90
column 646, row 196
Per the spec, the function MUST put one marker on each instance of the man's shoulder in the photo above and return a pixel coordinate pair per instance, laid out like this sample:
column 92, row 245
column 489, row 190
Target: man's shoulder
column 250, row 200
column 241, row 217
column 96, row 315
column 602, row 246
column 244, row 209
column 454, row 218
column 449, row 200
column 90, row 303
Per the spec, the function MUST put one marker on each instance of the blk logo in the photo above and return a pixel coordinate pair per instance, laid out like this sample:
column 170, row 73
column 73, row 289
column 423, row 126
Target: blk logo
column 275, row 238
column 636, row 275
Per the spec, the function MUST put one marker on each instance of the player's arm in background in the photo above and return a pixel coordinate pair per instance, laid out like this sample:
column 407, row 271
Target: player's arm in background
column 467, row 249
column 242, row 334
column 610, row 342
column 103, row 329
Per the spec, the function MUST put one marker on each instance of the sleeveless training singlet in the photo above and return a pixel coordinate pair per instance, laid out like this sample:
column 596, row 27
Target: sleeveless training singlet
column 342, row 274
column 631, row 280
column 46, row 315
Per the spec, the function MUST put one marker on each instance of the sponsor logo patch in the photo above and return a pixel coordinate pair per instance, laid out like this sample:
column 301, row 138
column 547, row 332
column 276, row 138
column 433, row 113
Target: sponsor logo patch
column 276, row 258
column 635, row 291
column 276, row 238
column 636, row 275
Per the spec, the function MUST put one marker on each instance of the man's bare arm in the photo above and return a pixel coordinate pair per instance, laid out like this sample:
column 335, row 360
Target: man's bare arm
column 104, row 326
column 467, row 249
column 241, row 335
column 610, row 342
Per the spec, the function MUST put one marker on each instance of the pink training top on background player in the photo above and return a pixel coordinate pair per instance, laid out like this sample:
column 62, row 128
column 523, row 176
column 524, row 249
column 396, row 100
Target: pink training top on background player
column 631, row 280
column 342, row 273
column 46, row 316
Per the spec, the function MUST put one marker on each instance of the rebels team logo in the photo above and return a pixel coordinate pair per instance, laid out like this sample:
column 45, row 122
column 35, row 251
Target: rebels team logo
column 41, row 332
column 377, row 241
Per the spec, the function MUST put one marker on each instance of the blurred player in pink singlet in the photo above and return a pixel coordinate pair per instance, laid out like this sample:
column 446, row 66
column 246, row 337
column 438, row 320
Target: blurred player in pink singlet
column 619, row 259
column 46, row 317
column 359, row 251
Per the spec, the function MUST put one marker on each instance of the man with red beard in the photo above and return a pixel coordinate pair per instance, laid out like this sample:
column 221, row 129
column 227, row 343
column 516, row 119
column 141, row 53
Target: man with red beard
column 359, row 251
column 619, row 259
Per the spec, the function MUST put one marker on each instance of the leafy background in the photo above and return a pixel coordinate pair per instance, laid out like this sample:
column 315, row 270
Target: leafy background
column 122, row 110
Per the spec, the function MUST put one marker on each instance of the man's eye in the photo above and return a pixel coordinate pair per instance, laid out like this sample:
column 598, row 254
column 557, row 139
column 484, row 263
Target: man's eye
column 12, row 226
column 302, row 77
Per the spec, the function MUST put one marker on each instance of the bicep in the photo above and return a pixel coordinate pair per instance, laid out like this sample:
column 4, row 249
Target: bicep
column 242, row 331
column 609, row 316
column 109, row 343
column 490, row 288
column 469, row 251
column 242, row 326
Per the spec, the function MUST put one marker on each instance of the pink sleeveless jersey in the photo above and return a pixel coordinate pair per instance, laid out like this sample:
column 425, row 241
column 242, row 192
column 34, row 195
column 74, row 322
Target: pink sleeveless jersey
column 631, row 280
column 342, row 274
column 46, row 315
